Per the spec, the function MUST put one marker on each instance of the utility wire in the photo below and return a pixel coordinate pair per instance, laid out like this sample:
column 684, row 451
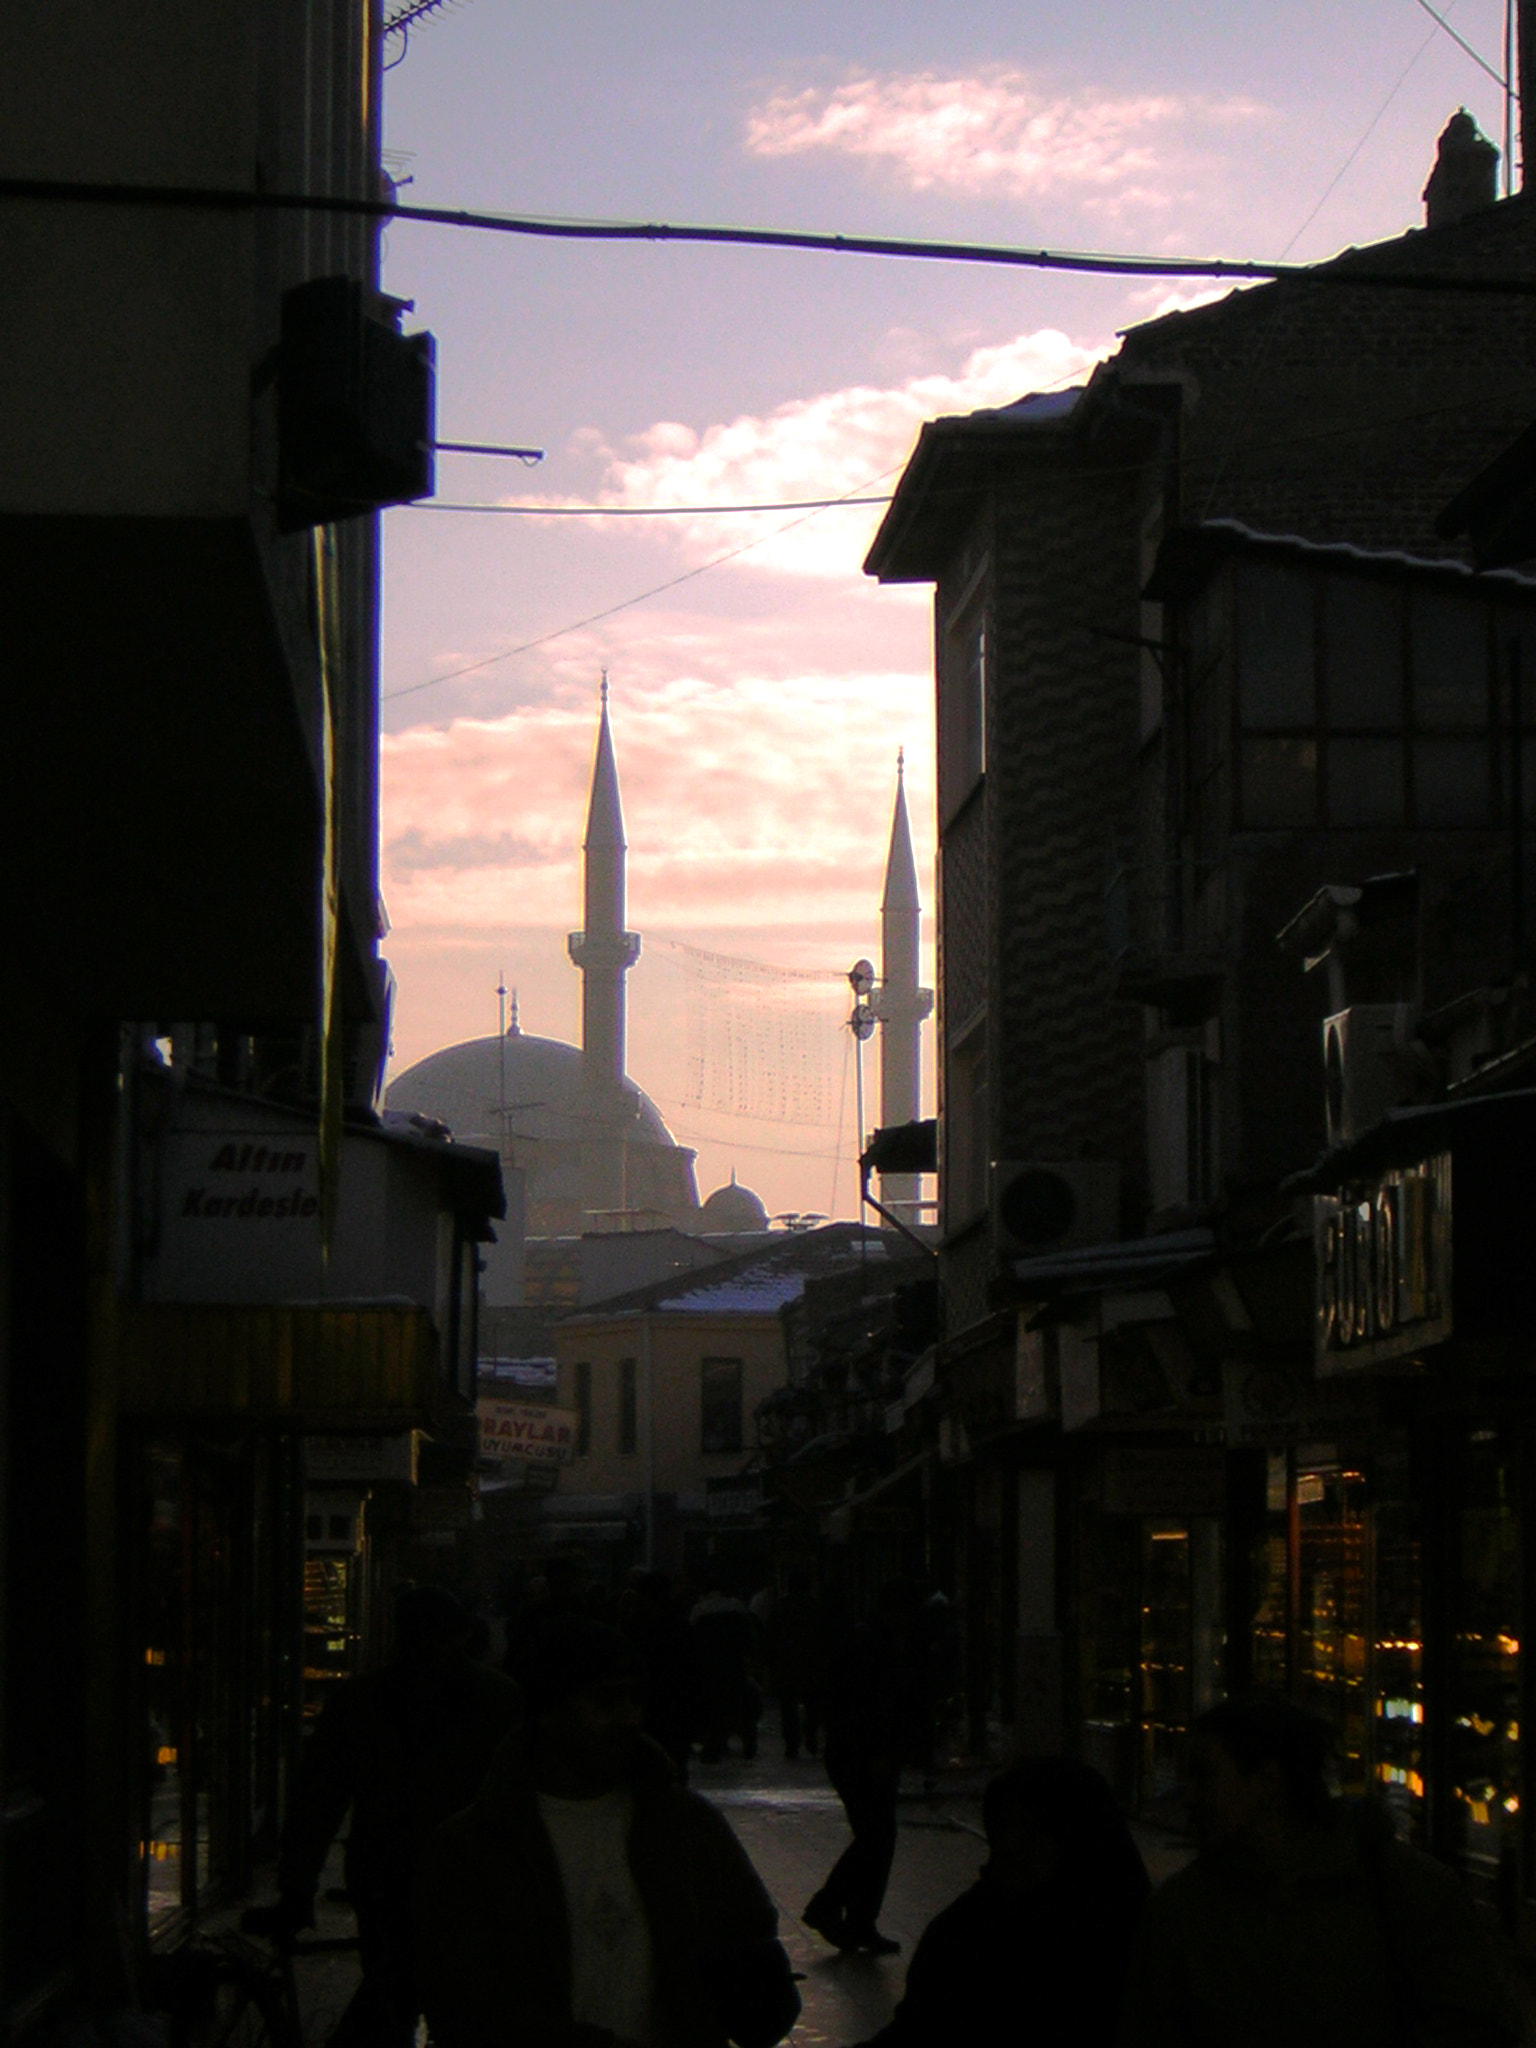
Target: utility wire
column 226, row 200
column 593, row 618
column 1462, row 44
column 640, row 511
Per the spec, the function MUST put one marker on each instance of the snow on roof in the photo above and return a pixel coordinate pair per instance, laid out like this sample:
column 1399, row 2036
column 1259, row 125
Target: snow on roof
column 1041, row 405
column 1347, row 551
column 762, row 1291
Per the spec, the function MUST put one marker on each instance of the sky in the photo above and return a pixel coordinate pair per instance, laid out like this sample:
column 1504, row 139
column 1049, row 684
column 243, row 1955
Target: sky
column 762, row 685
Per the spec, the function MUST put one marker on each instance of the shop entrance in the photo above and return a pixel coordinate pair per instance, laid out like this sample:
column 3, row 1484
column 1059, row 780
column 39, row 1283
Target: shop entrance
column 1179, row 1660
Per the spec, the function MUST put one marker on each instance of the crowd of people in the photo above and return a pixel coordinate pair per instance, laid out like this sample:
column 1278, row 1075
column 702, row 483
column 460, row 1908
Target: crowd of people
column 530, row 1868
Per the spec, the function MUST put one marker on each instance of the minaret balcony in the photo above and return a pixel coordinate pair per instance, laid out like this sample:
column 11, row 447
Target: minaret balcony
column 604, row 949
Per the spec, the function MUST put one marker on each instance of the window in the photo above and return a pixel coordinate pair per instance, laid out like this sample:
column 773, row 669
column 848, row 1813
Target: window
column 1277, row 680
column 1279, row 782
column 720, row 1404
column 583, row 1409
column 1367, row 702
column 967, row 1143
column 628, row 1409
column 1363, row 654
column 1449, row 656
column 963, row 707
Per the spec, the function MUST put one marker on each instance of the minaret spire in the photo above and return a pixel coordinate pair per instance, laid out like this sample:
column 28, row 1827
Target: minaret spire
column 604, row 952
column 899, row 1002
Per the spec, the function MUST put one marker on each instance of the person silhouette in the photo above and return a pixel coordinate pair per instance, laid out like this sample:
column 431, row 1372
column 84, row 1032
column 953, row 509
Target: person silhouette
column 402, row 1747
column 584, row 1897
column 1303, row 1917
column 1045, row 1933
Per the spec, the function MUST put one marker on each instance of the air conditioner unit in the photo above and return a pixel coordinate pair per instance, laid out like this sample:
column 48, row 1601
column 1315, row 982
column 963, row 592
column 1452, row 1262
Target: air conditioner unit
column 1046, row 1206
column 1365, row 1051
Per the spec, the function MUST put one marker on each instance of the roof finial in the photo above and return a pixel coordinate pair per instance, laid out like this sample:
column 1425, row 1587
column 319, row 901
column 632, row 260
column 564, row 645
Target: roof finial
column 901, row 762
column 514, row 1027
column 603, row 689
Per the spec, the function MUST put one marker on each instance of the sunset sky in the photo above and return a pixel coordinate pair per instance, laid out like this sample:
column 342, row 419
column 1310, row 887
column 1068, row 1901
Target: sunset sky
column 758, row 705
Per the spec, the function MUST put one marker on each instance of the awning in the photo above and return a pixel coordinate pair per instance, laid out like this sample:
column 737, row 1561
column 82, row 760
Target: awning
column 305, row 1366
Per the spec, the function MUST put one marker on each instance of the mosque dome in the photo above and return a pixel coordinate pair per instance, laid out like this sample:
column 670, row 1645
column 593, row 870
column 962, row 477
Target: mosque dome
column 537, row 1080
column 733, row 1207
column 526, row 1098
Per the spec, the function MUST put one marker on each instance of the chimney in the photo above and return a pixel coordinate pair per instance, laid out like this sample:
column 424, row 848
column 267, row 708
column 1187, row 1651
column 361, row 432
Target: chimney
column 1466, row 174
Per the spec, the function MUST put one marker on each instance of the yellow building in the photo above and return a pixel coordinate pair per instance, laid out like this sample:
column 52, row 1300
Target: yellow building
column 666, row 1383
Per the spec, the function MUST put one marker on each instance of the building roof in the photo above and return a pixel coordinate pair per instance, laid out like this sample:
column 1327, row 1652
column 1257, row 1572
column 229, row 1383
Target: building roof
column 1188, row 557
column 1304, row 404
column 759, row 1282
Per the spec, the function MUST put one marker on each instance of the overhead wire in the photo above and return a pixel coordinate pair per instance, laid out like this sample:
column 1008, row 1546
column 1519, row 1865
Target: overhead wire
column 610, row 611
column 1462, row 44
column 230, row 199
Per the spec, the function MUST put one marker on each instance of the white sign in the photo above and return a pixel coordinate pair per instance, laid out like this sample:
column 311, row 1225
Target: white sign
column 518, row 1429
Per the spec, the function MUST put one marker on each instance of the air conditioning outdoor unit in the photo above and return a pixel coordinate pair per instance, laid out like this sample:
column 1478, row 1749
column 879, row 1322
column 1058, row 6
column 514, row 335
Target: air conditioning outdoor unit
column 1364, row 1052
column 1046, row 1206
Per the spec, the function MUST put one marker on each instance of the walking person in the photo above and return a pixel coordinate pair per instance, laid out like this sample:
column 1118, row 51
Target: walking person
column 1303, row 1918
column 795, row 1653
column 864, row 1724
column 1045, row 1933
column 724, row 1641
column 584, row 1899
column 402, row 1748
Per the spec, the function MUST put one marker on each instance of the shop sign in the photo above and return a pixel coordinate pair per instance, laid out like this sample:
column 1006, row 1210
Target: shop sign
column 732, row 1500
column 1170, row 1480
column 519, row 1429
column 1269, row 1404
column 527, row 1375
column 360, row 1460
column 1383, row 1257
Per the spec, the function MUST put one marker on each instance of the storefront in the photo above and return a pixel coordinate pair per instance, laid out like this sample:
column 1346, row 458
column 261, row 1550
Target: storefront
column 271, row 1399
column 1393, row 1595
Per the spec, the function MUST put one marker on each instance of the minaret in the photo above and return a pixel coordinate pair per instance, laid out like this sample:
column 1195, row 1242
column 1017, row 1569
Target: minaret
column 899, row 1002
column 604, row 952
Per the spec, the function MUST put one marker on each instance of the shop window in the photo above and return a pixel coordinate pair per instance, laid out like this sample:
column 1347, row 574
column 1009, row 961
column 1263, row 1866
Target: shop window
column 583, row 1393
column 1276, row 668
column 1397, row 1669
column 1365, row 782
column 1181, row 1649
column 1331, row 1618
column 1279, row 783
column 1485, row 1647
column 629, row 1433
column 1110, row 1573
column 720, row 1405
column 1269, row 1581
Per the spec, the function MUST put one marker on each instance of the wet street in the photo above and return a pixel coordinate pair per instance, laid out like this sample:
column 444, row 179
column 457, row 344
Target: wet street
column 791, row 1824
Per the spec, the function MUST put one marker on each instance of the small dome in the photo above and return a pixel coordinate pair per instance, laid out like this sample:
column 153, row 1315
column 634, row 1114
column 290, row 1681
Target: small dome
column 733, row 1208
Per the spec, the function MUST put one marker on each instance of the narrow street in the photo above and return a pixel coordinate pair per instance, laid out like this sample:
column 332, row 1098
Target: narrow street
column 789, row 1820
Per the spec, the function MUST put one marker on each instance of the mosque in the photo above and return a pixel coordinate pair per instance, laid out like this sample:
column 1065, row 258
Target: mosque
column 590, row 1147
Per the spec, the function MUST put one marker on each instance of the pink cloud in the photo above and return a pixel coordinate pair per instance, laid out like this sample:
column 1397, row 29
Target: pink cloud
column 847, row 442
column 1000, row 130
